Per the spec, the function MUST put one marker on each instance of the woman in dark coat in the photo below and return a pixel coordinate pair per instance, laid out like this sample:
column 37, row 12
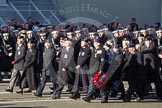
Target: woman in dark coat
column 29, row 70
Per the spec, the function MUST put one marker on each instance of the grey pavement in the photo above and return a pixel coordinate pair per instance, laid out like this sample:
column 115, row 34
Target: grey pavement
column 28, row 100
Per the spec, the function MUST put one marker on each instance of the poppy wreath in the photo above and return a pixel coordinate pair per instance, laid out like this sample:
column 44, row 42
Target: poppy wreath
column 100, row 80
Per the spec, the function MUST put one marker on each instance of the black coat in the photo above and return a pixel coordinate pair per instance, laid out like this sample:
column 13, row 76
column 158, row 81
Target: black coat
column 30, row 68
column 97, row 61
column 40, row 47
column 150, row 56
column 67, row 62
column 150, row 61
column 49, row 57
column 115, row 68
column 20, row 57
column 7, row 55
column 134, row 65
column 84, row 58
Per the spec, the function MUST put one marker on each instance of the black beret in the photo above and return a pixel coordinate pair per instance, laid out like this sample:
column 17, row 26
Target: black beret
column 141, row 35
column 31, row 41
column 97, row 39
column 131, row 45
column 148, row 38
column 126, row 39
column 85, row 39
column 20, row 37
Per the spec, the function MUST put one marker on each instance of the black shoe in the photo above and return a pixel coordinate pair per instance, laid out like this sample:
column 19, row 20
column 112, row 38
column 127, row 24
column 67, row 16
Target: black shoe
column 104, row 101
column 86, row 99
column 75, row 96
column 138, row 99
column 121, row 98
column 9, row 90
column 55, row 97
column 126, row 100
column 51, row 88
column 159, row 99
column 38, row 95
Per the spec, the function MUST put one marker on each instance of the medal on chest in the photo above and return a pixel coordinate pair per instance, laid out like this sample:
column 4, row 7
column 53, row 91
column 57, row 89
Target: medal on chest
column 65, row 56
column 19, row 53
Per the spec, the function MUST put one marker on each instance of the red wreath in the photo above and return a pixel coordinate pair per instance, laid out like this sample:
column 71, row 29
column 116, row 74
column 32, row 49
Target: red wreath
column 100, row 80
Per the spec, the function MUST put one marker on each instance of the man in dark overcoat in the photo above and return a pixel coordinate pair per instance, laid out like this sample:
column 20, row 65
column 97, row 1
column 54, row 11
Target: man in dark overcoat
column 49, row 57
column 66, row 69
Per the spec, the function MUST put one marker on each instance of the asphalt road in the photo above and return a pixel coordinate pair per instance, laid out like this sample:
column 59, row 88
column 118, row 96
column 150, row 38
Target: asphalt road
column 13, row 100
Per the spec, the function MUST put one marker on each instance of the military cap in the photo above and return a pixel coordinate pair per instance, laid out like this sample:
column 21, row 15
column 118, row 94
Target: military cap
column 63, row 30
column 84, row 28
column 106, row 29
column 125, row 29
column 115, row 31
column 42, row 28
column 78, row 31
column 69, row 33
column 135, row 32
column 43, row 34
column 50, row 26
column 55, row 32
column 159, row 31
column 142, row 31
column 101, row 30
column 148, row 29
column 22, row 32
column 120, row 30
column 92, row 33
column 4, row 25
column 5, row 34
column 16, row 31
column 28, row 32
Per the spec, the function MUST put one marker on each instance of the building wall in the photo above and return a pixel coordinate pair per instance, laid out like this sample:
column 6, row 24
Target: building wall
column 105, row 11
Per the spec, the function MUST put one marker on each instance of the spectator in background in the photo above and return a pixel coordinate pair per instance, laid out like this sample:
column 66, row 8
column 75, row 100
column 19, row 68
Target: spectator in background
column 133, row 25
column 157, row 26
column 30, row 22
column 113, row 26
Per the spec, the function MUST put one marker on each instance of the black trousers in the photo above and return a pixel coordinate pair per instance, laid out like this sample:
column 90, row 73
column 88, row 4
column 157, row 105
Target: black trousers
column 84, row 79
column 92, row 90
column 43, row 81
column 134, row 86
